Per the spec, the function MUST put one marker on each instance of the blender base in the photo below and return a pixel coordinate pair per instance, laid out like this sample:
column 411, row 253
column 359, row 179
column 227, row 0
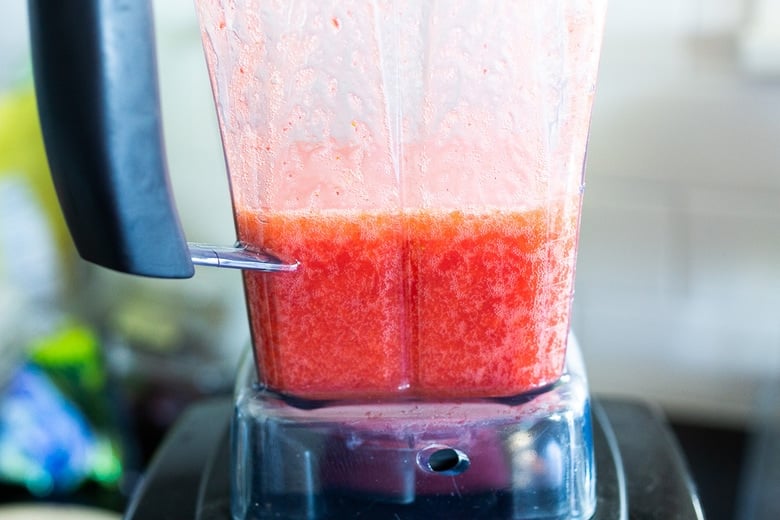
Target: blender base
column 531, row 457
column 641, row 473
column 526, row 457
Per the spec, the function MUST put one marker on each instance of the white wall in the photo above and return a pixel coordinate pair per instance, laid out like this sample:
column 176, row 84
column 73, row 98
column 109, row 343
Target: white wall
column 678, row 292
column 13, row 41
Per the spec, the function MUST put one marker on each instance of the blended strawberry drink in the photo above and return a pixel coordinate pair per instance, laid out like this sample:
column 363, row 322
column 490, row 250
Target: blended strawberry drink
column 426, row 302
column 423, row 164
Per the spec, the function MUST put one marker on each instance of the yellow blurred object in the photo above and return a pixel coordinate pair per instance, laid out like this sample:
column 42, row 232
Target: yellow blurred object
column 22, row 154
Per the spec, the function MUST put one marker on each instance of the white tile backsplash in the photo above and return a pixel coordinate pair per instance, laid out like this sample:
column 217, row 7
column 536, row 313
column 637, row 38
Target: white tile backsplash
column 678, row 278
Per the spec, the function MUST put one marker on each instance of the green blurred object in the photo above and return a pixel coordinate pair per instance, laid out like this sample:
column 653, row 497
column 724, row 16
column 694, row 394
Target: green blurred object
column 71, row 358
column 58, row 420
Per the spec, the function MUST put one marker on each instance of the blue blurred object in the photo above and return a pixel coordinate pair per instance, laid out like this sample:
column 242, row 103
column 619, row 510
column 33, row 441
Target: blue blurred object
column 46, row 443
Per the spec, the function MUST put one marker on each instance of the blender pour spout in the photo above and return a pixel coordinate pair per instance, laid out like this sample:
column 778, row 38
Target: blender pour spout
column 239, row 257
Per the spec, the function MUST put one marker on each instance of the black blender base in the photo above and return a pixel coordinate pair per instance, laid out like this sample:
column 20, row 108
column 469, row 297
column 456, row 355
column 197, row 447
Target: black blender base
column 641, row 473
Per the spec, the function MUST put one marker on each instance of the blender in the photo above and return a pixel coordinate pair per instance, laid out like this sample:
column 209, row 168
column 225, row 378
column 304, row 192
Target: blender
column 406, row 179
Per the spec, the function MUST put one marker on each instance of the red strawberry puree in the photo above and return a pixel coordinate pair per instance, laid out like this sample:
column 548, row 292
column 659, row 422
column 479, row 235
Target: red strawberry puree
column 430, row 303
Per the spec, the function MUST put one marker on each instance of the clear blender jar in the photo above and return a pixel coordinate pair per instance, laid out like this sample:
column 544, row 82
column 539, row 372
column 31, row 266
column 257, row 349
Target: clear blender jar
column 423, row 163
column 407, row 178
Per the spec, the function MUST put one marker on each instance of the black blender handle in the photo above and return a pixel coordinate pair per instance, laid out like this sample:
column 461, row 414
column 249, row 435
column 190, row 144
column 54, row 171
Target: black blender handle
column 96, row 84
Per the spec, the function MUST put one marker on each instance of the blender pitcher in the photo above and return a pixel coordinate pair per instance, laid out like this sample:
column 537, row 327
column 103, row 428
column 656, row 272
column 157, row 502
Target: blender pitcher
column 406, row 180
column 423, row 162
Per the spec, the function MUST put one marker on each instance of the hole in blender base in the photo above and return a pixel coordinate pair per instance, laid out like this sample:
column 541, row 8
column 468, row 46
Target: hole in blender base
column 443, row 460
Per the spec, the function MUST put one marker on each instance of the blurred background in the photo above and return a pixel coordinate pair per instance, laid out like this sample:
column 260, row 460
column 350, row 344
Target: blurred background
column 678, row 280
